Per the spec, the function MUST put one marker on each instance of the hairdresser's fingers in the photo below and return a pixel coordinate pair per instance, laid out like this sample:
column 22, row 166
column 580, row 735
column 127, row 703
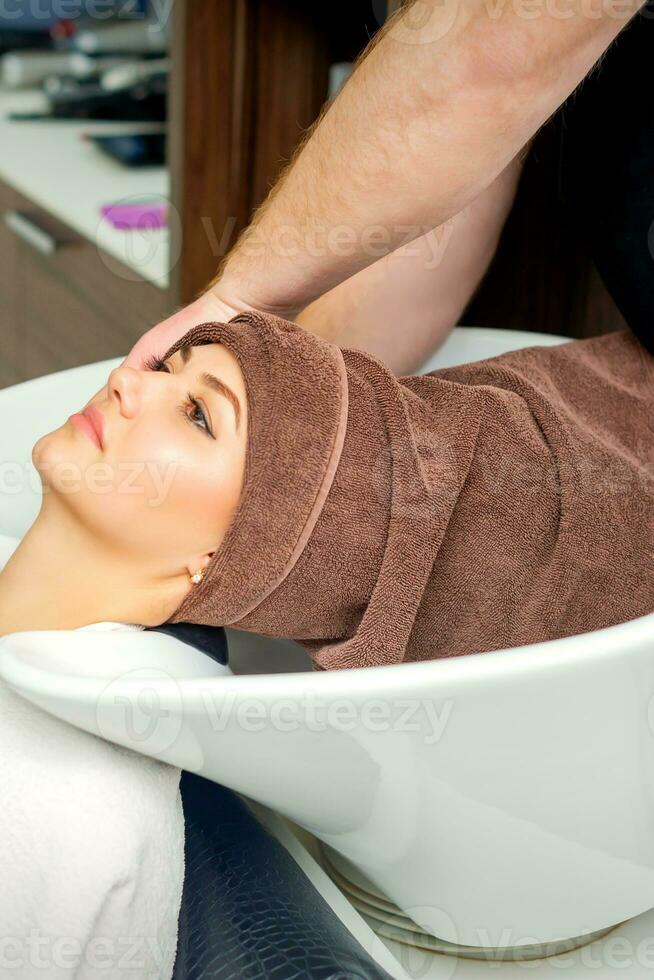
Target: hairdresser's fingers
column 154, row 343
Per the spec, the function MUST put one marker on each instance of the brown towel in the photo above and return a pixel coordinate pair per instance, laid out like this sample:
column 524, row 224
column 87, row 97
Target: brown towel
column 388, row 519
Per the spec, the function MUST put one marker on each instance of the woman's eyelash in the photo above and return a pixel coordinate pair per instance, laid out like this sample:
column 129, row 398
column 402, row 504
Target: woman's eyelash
column 155, row 363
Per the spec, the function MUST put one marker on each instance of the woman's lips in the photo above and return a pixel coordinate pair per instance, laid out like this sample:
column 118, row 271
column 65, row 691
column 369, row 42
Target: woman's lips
column 91, row 422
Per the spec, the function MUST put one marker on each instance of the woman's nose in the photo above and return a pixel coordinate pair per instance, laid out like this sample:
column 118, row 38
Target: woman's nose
column 125, row 385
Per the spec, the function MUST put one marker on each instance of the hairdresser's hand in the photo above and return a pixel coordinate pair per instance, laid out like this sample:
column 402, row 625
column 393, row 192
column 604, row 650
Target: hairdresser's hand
column 212, row 306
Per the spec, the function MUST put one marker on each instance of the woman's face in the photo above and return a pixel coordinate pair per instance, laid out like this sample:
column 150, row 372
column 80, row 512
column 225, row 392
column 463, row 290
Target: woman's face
column 154, row 467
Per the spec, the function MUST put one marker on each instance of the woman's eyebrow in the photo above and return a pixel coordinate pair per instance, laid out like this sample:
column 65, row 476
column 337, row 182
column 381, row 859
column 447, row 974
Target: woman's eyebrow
column 211, row 381
column 217, row 385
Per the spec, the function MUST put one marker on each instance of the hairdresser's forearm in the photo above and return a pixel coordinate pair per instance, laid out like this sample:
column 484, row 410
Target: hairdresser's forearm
column 429, row 118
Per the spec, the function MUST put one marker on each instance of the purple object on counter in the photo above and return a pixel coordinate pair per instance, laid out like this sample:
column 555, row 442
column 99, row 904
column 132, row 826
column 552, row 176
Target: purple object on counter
column 141, row 216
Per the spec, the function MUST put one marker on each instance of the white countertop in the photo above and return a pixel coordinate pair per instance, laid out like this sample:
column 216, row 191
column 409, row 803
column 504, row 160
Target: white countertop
column 49, row 162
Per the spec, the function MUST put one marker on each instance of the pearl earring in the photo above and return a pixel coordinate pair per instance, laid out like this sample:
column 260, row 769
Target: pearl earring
column 197, row 577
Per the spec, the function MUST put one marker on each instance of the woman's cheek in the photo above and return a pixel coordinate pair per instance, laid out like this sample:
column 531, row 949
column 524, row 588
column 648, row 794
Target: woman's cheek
column 153, row 468
column 190, row 490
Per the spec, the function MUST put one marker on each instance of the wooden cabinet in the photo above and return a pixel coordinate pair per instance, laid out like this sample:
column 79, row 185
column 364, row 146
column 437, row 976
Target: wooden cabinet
column 62, row 302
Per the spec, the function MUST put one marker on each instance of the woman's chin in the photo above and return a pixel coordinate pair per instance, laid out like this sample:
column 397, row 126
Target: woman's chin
column 40, row 451
column 57, row 454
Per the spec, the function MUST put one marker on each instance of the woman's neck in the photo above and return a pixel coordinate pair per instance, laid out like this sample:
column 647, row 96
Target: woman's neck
column 60, row 578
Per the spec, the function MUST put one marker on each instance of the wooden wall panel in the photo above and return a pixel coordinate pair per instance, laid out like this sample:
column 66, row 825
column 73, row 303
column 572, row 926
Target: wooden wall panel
column 8, row 311
column 249, row 76
column 211, row 94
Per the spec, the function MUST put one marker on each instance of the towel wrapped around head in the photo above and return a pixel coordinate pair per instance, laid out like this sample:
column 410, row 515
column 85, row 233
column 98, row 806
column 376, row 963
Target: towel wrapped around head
column 484, row 506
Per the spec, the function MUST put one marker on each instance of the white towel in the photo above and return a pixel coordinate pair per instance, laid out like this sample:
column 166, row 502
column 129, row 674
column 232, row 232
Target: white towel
column 91, row 850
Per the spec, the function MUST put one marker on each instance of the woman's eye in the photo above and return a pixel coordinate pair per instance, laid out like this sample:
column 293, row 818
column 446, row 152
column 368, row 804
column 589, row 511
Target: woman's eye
column 197, row 415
